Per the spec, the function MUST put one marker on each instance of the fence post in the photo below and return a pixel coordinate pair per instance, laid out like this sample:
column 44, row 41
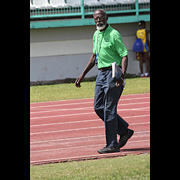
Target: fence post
column 137, row 8
column 82, row 9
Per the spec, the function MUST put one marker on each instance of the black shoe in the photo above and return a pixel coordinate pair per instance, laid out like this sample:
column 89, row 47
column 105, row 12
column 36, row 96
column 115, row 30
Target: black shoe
column 124, row 138
column 108, row 150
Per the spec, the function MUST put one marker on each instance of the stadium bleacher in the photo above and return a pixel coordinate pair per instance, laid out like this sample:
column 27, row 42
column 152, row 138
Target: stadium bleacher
column 41, row 4
column 83, row 10
column 58, row 3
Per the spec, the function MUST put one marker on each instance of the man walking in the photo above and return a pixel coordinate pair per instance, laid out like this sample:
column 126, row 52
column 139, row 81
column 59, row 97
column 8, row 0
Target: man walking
column 108, row 48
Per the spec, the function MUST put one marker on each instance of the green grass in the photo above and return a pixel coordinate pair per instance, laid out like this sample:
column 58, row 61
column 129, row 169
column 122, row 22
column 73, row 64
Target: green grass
column 131, row 167
column 69, row 91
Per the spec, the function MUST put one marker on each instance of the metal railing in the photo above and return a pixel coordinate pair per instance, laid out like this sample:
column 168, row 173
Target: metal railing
column 70, row 9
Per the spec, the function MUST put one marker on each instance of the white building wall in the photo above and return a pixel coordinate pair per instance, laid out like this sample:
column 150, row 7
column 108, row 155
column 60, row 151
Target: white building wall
column 60, row 53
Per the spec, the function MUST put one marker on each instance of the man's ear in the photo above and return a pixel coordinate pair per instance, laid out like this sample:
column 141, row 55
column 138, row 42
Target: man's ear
column 106, row 17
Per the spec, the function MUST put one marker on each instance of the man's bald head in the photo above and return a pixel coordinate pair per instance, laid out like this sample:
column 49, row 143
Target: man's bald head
column 100, row 18
column 100, row 11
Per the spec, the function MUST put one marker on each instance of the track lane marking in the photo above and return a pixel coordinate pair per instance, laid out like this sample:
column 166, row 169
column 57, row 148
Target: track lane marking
column 91, row 102
column 79, row 129
column 82, row 108
column 84, row 121
column 92, row 145
column 79, row 114
column 136, row 134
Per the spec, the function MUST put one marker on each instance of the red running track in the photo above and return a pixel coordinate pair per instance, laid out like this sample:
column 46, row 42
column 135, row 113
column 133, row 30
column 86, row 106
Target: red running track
column 70, row 130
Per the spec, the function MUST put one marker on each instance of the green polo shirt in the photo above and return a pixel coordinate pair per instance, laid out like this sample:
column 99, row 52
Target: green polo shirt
column 109, row 47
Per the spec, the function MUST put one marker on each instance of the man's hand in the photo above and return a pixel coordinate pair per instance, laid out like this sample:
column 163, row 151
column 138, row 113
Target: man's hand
column 78, row 81
column 120, row 81
column 89, row 66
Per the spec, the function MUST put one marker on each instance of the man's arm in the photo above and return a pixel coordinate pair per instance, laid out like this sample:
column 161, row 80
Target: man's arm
column 124, row 65
column 89, row 66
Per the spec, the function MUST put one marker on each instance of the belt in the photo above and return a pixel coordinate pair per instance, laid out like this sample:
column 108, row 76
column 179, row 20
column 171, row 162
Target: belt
column 107, row 68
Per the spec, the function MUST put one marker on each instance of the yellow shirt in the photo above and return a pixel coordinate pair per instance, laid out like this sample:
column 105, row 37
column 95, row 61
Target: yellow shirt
column 141, row 33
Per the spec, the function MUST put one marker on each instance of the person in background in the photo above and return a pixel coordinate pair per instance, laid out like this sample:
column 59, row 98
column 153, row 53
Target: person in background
column 142, row 33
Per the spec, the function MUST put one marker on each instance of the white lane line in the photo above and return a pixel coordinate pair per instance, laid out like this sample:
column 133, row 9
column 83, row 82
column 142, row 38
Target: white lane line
column 86, row 146
column 79, row 114
column 65, row 139
column 70, row 122
column 68, row 109
column 62, row 115
column 84, row 121
column 79, row 129
column 83, row 108
column 66, row 130
column 77, row 103
column 55, row 105
column 136, row 134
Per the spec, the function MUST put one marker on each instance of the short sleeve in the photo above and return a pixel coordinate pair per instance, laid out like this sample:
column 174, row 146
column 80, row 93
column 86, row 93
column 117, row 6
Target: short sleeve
column 120, row 47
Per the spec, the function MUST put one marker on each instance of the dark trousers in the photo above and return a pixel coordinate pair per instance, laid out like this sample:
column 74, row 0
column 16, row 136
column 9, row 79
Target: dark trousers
column 106, row 98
